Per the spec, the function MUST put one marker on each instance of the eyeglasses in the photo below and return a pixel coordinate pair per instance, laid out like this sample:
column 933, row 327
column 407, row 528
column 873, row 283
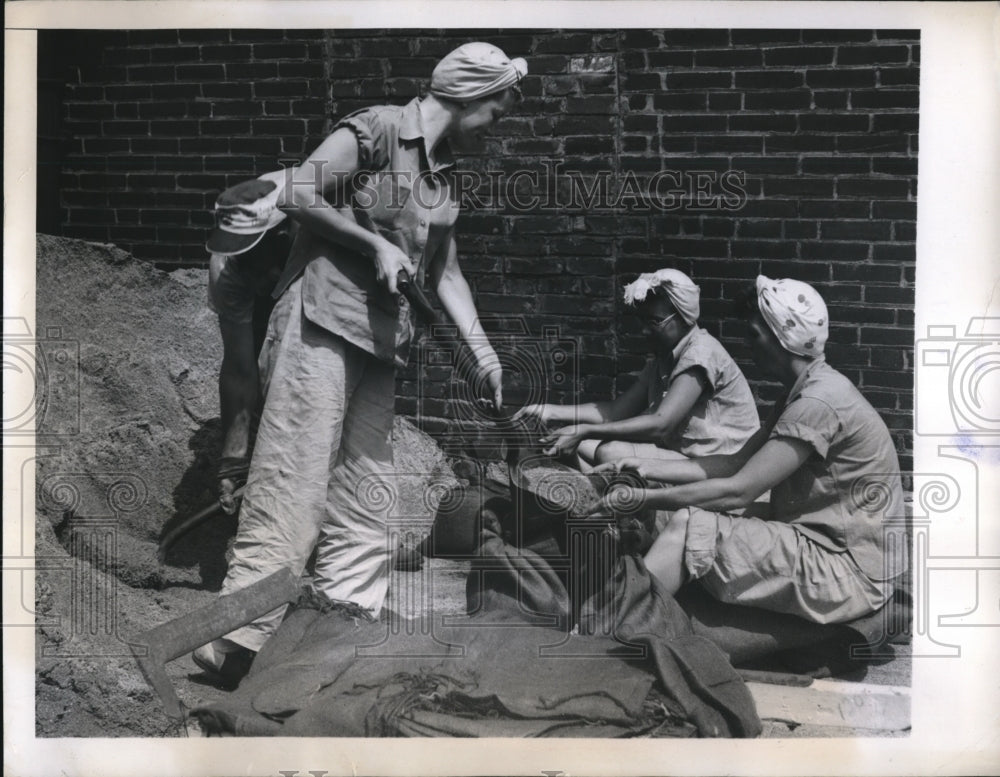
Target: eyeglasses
column 657, row 323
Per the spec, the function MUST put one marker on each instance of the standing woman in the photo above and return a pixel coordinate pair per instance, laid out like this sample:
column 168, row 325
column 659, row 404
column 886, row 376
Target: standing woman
column 339, row 330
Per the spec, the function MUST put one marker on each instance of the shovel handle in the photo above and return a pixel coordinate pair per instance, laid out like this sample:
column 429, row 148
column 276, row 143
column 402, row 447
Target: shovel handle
column 190, row 523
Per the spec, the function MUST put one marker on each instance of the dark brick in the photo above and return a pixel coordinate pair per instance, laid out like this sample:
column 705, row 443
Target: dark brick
column 286, row 126
column 798, row 187
column 565, row 43
column 174, row 54
column 872, row 55
column 250, row 71
column 895, row 122
column 704, row 80
column 779, row 100
column 286, row 50
column 801, row 230
column 677, row 145
column 874, row 188
column 779, row 165
column 783, row 144
column 874, row 144
column 836, row 36
column 836, row 165
column 129, row 56
column 203, row 72
column 762, row 249
column 830, row 100
column 895, row 210
column 256, row 36
column 799, row 56
column 769, row 79
column 831, row 209
column 583, row 125
column 885, row 98
column 695, row 246
column 725, row 101
column 182, row 127
column 106, row 145
column 825, row 122
column 77, row 111
column 909, row 76
column 901, row 166
column 913, row 35
column 730, row 144
column 694, row 123
column 696, row 38
column 681, row 101
column 866, row 273
column 116, row 92
column 894, row 253
column 640, row 39
column 764, row 229
column 577, row 145
column 761, row 123
column 125, row 127
column 729, row 58
column 763, row 37
column 661, row 60
column 889, row 295
column 835, row 252
column 856, row 230
column 596, row 105
column 281, row 88
column 840, row 78
column 203, row 36
column 162, row 110
column 150, row 73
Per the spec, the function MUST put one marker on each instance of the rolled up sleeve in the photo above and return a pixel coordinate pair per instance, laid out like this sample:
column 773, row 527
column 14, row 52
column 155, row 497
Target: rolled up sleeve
column 810, row 420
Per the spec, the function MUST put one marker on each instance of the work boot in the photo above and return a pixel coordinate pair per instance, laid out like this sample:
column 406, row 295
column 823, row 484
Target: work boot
column 224, row 661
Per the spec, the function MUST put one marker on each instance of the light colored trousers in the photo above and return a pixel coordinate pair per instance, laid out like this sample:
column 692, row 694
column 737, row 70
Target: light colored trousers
column 322, row 455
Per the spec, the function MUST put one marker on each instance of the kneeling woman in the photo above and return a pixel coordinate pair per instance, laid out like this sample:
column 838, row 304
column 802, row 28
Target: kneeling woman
column 821, row 549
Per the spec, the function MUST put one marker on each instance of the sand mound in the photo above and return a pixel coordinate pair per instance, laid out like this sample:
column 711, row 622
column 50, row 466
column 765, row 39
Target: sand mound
column 128, row 356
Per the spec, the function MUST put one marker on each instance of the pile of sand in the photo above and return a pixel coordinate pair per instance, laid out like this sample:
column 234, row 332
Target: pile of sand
column 128, row 357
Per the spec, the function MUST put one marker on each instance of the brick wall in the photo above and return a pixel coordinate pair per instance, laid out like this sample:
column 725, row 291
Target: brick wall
column 722, row 153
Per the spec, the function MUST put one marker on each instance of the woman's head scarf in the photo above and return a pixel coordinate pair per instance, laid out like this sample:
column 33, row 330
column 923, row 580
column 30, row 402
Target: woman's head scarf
column 683, row 294
column 796, row 313
column 475, row 70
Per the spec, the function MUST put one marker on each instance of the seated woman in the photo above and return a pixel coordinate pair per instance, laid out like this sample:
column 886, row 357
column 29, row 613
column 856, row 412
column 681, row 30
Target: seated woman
column 823, row 551
column 691, row 400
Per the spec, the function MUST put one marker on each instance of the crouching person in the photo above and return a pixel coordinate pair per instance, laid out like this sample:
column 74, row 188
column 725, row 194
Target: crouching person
column 249, row 246
column 691, row 400
column 821, row 548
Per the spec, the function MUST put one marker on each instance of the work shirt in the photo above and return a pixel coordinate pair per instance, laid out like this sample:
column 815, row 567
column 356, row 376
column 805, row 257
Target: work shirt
column 397, row 195
column 848, row 493
column 725, row 415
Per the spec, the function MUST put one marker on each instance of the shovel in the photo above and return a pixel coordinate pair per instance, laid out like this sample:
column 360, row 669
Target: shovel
column 153, row 649
column 190, row 523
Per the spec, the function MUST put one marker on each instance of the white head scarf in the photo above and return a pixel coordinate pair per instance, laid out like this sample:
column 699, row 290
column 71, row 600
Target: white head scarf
column 684, row 295
column 475, row 70
column 796, row 313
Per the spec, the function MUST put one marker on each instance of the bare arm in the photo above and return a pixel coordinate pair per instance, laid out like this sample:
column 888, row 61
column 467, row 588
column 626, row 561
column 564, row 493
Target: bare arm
column 330, row 168
column 692, row 470
column 648, row 427
column 629, row 404
column 772, row 464
column 456, row 297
